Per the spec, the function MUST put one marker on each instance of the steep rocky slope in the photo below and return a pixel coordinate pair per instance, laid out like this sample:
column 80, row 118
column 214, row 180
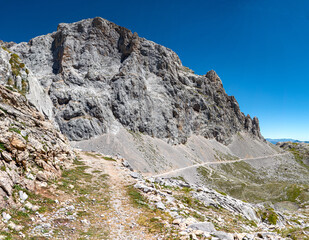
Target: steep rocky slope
column 30, row 147
column 101, row 76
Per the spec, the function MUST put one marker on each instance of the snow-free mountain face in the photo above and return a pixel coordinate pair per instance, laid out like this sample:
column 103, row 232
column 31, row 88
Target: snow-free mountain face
column 101, row 77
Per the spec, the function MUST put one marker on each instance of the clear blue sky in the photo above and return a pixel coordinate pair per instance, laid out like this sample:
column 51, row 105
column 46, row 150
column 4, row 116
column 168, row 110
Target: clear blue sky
column 260, row 49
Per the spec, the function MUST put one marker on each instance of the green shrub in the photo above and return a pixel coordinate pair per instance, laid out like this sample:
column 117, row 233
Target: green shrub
column 268, row 215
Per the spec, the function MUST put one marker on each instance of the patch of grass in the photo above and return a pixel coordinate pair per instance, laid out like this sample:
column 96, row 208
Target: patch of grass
column 2, row 147
column 268, row 215
column 94, row 233
column 223, row 193
column 16, row 65
column 91, row 154
column 137, row 198
column 293, row 193
column 14, row 130
column 77, row 161
column 8, row 236
column 153, row 221
column 186, row 189
column 3, row 168
column 294, row 233
column 197, row 216
column 109, row 159
column 3, row 110
column 76, row 174
column 43, row 209
column 17, row 188
column 6, row 49
column 82, row 213
column 181, row 178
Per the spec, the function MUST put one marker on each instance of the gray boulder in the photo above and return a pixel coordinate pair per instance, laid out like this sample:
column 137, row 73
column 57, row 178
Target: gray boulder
column 203, row 226
column 223, row 235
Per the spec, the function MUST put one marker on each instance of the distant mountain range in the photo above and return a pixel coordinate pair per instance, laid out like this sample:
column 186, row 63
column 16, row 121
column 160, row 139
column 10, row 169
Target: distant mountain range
column 274, row 141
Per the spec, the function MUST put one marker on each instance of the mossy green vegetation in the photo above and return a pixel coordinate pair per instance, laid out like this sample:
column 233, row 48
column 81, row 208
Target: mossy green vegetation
column 294, row 233
column 2, row 147
column 16, row 65
column 13, row 129
column 268, row 215
column 17, row 130
column 136, row 197
column 108, row 159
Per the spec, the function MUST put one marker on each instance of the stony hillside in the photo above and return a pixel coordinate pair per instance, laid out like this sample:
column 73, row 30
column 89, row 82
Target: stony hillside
column 298, row 149
column 99, row 197
column 100, row 76
column 30, row 147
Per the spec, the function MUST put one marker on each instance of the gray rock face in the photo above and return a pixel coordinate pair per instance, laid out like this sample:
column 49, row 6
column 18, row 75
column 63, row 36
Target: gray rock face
column 99, row 75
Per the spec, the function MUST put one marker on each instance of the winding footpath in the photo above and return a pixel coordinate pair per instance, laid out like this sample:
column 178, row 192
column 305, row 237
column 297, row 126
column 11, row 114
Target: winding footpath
column 217, row 162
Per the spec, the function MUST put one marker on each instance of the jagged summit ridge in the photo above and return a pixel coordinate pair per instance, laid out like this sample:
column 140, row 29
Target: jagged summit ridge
column 100, row 77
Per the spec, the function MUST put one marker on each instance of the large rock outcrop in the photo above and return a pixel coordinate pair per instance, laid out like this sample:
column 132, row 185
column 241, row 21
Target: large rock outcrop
column 100, row 76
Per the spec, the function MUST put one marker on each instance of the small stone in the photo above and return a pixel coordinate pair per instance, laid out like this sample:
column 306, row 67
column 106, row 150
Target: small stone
column 160, row 205
column 15, row 227
column 177, row 221
column 46, row 225
column 223, row 235
column 193, row 236
column 6, row 156
column 41, row 176
column 198, row 232
column 71, row 217
column 70, row 208
column 85, row 221
column 23, row 196
column 189, row 221
column 28, row 205
column 30, row 176
column 18, row 144
column 127, row 165
column 136, row 175
column 6, row 217
column 182, row 226
column 23, row 133
column 43, row 184
column 183, row 233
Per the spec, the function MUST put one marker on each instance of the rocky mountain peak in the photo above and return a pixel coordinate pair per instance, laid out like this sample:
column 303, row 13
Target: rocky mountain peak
column 212, row 76
column 101, row 77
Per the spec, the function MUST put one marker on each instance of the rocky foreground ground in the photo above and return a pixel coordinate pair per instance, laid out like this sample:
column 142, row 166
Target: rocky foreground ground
column 99, row 197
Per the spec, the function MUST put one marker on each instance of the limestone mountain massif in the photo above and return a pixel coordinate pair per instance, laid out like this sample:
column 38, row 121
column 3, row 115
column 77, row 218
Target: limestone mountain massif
column 166, row 136
column 99, row 75
column 101, row 83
